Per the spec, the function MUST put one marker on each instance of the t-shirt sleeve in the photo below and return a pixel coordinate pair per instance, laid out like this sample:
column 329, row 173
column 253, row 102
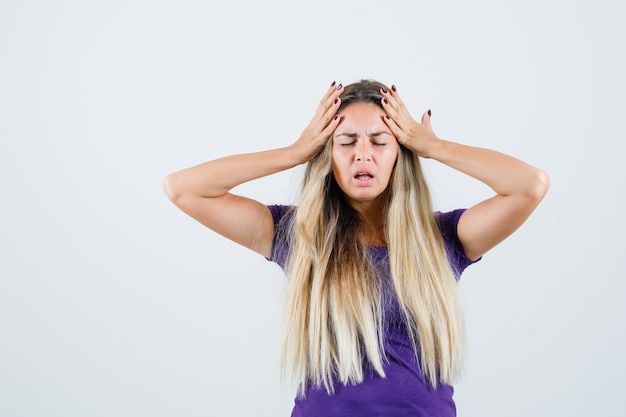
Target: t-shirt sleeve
column 281, row 215
column 448, row 222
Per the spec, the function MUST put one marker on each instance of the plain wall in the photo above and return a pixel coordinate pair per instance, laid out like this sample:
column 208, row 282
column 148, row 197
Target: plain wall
column 114, row 303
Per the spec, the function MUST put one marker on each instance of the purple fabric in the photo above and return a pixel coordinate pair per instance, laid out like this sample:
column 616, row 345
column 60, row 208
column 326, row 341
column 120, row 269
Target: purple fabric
column 403, row 392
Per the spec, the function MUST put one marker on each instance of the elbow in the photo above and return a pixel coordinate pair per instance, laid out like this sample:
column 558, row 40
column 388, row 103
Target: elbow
column 538, row 185
column 171, row 187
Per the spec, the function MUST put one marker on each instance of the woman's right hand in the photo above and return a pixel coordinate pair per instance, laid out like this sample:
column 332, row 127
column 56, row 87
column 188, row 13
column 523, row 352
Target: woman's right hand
column 203, row 191
column 321, row 127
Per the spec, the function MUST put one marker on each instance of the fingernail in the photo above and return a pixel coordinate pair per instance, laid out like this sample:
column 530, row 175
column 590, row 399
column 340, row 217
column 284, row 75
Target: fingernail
column 387, row 117
column 339, row 86
column 386, row 101
column 393, row 87
column 333, row 84
column 336, row 100
column 336, row 117
column 385, row 90
column 429, row 113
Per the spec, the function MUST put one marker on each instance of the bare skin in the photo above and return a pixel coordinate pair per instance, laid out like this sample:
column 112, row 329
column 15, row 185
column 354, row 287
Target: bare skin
column 519, row 187
column 364, row 153
column 203, row 191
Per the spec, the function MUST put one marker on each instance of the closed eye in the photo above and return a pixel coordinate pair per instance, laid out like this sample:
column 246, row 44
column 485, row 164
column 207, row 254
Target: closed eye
column 380, row 138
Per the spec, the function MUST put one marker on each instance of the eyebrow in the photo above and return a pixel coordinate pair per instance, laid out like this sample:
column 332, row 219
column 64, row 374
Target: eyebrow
column 354, row 135
column 375, row 134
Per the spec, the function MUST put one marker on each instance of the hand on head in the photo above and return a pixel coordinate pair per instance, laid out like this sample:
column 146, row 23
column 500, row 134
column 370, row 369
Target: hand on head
column 413, row 135
column 417, row 137
column 322, row 125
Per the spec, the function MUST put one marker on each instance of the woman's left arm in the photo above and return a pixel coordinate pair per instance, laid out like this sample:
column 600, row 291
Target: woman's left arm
column 519, row 187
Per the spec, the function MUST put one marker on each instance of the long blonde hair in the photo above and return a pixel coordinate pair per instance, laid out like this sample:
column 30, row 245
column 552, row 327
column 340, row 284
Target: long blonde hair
column 334, row 312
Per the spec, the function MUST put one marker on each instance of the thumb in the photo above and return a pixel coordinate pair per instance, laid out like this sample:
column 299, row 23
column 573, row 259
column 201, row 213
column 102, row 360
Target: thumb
column 426, row 119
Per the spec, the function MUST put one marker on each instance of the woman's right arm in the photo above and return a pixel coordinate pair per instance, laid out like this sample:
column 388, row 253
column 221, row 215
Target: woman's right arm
column 203, row 191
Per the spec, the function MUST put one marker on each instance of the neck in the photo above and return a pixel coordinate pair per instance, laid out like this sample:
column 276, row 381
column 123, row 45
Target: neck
column 373, row 220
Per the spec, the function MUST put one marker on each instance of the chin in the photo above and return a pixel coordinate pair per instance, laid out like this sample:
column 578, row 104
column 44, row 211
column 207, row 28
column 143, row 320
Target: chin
column 363, row 198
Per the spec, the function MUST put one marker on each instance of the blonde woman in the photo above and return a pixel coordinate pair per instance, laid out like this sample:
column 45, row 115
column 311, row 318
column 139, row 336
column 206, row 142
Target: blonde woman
column 374, row 325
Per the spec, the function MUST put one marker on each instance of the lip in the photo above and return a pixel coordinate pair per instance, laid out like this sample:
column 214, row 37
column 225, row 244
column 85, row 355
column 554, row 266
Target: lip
column 362, row 171
column 366, row 180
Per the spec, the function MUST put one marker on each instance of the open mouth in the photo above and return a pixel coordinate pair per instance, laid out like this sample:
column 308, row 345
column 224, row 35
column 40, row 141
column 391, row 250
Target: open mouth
column 362, row 176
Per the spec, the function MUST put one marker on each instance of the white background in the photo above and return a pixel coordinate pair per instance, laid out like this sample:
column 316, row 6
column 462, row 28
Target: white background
column 114, row 303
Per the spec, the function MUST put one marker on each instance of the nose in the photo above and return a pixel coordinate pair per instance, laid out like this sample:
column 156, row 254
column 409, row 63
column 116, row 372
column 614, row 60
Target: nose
column 362, row 152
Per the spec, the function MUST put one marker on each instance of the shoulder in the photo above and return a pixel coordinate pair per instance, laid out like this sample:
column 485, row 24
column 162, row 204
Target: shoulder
column 281, row 241
column 281, row 212
column 448, row 223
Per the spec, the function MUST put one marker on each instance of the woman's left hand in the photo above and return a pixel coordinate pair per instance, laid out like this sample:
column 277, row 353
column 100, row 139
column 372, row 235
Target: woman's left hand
column 519, row 187
column 417, row 137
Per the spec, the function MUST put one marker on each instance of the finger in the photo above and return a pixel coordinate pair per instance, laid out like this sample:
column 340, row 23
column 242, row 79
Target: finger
column 333, row 87
column 333, row 91
column 389, row 106
column 331, row 115
column 395, row 129
column 426, row 119
column 393, row 104
column 330, row 98
column 394, row 93
column 331, row 108
column 325, row 122
column 332, row 125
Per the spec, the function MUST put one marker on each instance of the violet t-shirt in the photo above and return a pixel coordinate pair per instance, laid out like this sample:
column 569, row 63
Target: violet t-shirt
column 403, row 392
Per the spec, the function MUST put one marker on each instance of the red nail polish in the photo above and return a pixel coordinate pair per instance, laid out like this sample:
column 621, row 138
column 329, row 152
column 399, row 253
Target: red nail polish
column 333, row 84
column 385, row 90
column 336, row 100
column 336, row 117
column 393, row 87
column 429, row 113
column 387, row 117
column 339, row 86
column 386, row 101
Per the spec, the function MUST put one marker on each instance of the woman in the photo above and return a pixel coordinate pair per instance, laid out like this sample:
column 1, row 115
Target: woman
column 374, row 325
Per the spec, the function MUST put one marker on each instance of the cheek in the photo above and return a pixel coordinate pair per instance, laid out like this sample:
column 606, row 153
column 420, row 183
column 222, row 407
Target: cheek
column 336, row 169
column 337, row 161
column 390, row 158
column 333, row 161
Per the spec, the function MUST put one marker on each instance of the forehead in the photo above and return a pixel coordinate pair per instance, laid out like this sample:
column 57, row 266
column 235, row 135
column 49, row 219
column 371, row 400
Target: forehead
column 362, row 115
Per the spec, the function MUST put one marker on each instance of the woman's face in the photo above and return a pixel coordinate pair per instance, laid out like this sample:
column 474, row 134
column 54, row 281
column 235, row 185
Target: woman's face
column 364, row 152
